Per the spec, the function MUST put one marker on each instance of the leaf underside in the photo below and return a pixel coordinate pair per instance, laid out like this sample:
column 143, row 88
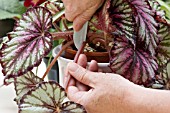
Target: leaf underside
column 48, row 98
column 28, row 43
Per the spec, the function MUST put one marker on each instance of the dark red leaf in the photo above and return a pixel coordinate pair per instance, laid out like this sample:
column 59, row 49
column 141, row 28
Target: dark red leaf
column 146, row 23
column 134, row 64
column 123, row 20
column 28, row 3
column 101, row 19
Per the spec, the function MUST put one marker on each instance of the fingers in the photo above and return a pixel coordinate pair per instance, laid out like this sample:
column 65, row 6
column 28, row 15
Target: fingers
column 71, row 9
column 93, row 66
column 74, row 94
column 82, row 18
column 82, row 61
column 82, row 75
column 80, row 11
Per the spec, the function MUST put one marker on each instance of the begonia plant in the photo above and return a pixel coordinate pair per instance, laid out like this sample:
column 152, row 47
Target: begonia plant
column 140, row 51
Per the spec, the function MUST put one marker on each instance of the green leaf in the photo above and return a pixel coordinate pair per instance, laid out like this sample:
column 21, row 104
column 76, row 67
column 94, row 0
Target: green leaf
column 165, row 7
column 11, row 8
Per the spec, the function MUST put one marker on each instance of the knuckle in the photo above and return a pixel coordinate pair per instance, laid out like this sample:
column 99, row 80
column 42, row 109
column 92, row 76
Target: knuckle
column 68, row 17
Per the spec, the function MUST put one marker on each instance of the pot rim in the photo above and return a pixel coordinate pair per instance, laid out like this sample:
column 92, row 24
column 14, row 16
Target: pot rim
column 55, row 50
column 89, row 53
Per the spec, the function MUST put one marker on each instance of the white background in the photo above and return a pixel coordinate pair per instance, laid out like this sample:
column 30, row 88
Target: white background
column 7, row 93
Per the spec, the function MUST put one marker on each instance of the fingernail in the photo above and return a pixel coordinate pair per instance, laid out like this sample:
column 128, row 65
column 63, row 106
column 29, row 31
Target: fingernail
column 72, row 67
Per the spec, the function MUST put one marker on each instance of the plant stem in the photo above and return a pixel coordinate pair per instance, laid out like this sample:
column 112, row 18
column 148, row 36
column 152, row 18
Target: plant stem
column 62, row 35
column 80, row 50
column 56, row 57
column 37, row 71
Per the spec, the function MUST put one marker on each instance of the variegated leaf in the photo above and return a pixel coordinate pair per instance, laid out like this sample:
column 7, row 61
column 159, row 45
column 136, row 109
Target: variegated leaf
column 71, row 107
column 101, row 20
column 29, row 42
column 54, row 6
column 163, row 55
column 156, row 7
column 116, row 16
column 121, row 14
column 25, row 83
column 47, row 97
column 147, row 25
column 164, row 45
column 134, row 64
column 163, row 50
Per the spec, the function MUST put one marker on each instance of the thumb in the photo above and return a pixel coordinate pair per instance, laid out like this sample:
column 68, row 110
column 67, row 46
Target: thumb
column 79, row 22
column 82, row 75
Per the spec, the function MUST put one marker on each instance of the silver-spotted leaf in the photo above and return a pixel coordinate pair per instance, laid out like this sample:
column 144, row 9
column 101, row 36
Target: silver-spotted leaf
column 146, row 23
column 163, row 49
column 116, row 16
column 123, row 20
column 134, row 64
column 25, row 83
column 101, row 20
column 28, row 43
column 71, row 107
column 48, row 97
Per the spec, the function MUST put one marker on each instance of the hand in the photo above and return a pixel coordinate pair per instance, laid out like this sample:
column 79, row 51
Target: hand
column 102, row 92
column 80, row 11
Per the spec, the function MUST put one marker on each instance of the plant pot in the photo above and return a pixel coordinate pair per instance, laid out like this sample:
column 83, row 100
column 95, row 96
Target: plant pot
column 54, row 72
column 68, row 56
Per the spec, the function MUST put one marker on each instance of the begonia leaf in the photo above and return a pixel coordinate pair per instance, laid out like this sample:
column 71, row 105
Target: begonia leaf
column 164, row 45
column 146, row 23
column 121, row 13
column 25, row 83
column 116, row 16
column 28, row 43
column 134, row 64
column 48, row 97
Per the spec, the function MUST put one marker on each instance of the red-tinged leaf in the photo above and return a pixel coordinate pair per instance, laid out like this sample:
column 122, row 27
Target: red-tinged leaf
column 48, row 97
column 54, row 6
column 163, row 49
column 147, row 25
column 160, row 14
column 163, row 55
column 116, row 16
column 101, row 19
column 28, row 3
column 25, row 83
column 121, row 14
column 29, row 43
column 134, row 64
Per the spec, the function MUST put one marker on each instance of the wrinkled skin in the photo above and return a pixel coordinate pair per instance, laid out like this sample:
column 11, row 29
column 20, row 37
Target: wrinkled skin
column 97, row 85
column 80, row 11
column 110, row 93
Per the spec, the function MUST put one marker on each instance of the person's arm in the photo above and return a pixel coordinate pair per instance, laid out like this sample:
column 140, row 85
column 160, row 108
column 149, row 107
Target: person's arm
column 80, row 11
column 149, row 100
column 111, row 93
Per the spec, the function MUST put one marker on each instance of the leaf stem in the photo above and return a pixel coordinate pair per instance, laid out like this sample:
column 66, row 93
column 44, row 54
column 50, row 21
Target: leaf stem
column 80, row 50
column 56, row 57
